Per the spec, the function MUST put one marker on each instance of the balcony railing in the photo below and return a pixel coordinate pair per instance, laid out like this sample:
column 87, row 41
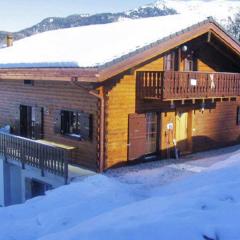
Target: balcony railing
column 170, row 85
column 45, row 157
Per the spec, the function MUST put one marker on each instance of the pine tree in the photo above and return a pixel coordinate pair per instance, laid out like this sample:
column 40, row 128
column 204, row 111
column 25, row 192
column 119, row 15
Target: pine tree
column 234, row 27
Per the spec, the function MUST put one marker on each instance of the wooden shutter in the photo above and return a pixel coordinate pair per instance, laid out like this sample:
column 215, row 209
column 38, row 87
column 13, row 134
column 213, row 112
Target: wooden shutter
column 37, row 122
column 85, row 126
column 57, row 121
column 238, row 115
column 137, row 136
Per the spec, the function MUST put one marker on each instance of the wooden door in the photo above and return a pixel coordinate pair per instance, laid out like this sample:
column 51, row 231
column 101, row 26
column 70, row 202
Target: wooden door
column 137, row 136
column 31, row 122
column 182, row 131
column 26, row 121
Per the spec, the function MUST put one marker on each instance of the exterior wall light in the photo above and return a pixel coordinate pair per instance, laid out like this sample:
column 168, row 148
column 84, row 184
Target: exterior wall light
column 184, row 48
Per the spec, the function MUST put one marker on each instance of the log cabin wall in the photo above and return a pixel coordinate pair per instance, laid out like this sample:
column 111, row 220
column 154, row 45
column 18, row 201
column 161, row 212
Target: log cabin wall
column 120, row 103
column 203, row 67
column 216, row 127
column 53, row 97
column 156, row 65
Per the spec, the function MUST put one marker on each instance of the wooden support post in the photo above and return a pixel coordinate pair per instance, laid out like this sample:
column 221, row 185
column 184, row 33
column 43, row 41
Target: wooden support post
column 42, row 157
column 172, row 105
column 209, row 37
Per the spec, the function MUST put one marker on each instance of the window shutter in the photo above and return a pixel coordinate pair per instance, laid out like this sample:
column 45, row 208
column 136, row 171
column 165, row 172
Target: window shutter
column 85, row 126
column 37, row 122
column 16, row 124
column 57, row 121
column 238, row 115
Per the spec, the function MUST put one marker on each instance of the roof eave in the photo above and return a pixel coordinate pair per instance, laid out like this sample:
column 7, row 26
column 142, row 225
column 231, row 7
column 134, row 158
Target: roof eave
column 50, row 74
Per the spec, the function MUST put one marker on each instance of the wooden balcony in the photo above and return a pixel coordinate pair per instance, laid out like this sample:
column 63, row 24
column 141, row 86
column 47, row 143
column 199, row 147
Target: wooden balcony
column 43, row 156
column 170, row 85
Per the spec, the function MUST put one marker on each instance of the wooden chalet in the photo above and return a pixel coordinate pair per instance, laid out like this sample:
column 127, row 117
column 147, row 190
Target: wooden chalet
column 179, row 93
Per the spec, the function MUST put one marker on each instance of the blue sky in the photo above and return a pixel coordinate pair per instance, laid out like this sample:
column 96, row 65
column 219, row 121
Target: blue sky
column 18, row 14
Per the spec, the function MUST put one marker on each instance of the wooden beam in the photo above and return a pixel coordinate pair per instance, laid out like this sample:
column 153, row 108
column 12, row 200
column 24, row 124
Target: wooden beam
column 209, row 36
column 230, row 58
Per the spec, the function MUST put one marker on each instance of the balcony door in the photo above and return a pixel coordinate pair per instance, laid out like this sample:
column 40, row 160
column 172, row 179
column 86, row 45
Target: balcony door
column 31, row 122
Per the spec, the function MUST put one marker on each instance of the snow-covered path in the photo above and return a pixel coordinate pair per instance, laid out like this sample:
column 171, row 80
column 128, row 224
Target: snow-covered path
column 166, row 171
column 163, row 200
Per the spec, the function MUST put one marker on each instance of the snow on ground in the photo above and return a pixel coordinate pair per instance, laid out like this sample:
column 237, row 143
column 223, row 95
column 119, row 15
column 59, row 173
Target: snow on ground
column 94, row 45
column 160, row 200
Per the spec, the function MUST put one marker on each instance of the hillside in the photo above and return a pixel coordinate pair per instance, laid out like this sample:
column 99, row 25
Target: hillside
column 197, row 200
column 223, row 11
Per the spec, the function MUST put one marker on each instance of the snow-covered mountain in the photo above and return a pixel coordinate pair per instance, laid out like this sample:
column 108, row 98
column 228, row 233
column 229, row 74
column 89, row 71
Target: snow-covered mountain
column 224, row 11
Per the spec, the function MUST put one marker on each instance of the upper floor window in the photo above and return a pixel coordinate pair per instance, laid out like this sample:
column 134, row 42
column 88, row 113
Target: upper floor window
column 190, row 63
column 171, row 61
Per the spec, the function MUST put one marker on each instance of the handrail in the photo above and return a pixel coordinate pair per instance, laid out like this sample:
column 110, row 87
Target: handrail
column 45, row 157
column 178, row 85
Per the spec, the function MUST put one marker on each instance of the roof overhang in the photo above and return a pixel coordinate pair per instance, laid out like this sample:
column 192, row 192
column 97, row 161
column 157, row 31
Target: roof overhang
column 50, row 74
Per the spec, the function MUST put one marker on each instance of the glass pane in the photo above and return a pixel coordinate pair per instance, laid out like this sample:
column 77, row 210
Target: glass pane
column 151, row 134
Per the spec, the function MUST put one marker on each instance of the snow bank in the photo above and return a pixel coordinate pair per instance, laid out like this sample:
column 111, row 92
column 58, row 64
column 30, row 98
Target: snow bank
column 117, row 206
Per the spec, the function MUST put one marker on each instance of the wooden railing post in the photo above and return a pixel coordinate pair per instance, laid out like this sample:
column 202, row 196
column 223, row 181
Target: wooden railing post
column 22, row 155
column 162, row 85
column 5, row 149
column 66, row 156
column 42, row 158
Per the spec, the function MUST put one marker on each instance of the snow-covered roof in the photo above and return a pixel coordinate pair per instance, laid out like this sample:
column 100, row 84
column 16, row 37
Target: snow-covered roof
column 91, row 46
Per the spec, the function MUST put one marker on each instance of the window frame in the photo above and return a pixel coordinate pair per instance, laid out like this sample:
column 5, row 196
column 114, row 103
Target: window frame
column 190, row 62
column 171, row 61
column 73, row 127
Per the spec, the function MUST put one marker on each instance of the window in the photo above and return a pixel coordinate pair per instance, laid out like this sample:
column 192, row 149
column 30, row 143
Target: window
column 190, row 63
column 31, row 122
column 76, row 124
column 238, row 115
column 151, row 134
column 28, row 82
column 171, row 61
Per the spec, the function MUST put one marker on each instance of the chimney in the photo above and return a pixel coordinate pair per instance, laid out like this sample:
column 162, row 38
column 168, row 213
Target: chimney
column 9, row 40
